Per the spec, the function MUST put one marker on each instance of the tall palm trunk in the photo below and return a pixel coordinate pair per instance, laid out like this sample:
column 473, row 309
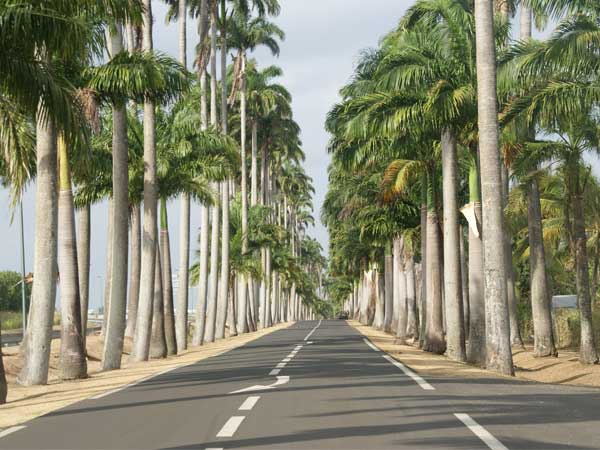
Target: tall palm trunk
column 587, row 351
column 455, row 330
column 214, row 307
column 476, row 347
column 72, row 361
column 181, row 319
column 396, row 263
column 141, row 344
column 224, row 285
column 423, row 294
column 402, row 300
column 167, row 280
column 543, row 334
column 434, row 328
column 158, row 343
column 243, row 298
column 389, row 287
column 464, row 272
column 83, row 265
column 498, row 350
column 134, row 276
column 412, row 325
column 108, row 266
column 200, row 327
column 39, row 331
column 115, row 327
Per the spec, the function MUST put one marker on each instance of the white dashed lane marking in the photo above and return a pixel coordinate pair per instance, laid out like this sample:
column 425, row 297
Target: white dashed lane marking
column 480, row 432
column 230, row 426
column 249, row 403
column 312, row 331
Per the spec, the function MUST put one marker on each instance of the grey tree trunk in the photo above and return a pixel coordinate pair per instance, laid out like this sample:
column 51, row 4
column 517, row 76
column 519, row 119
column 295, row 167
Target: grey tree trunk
column 543, row 334
column 379, row 304
column 199, row 331
column 587, row 351
column 402, row 301
column 181, row 319
column 115, row 328
column 39, row 331
column 158, row 343
column 396, row 264
column 498, row 350
column 225, row 279
column 83, row 264
column 108, row 266
column 167, row 282
column 464, row 272
column 141, row 343
column 389, row 288
column 455, row 331
column 134, row 277
column 434, row 328
column 243, row 286
column 476, row 347
column 72, row 361
column 211, row 301
column 423, row 272
column 412, row 325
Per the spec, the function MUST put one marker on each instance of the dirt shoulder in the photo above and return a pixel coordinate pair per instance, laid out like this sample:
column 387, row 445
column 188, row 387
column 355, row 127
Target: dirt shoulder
column 565, row 369
column 28, row 402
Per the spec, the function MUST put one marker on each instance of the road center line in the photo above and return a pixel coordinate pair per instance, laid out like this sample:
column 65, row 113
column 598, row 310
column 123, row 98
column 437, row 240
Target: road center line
column 11, row 430
column 419, row 380
column 480, row 432
column 286, row 360
column 370, row 344
column 275, row 372
column 231, row 426
column 281, row 365
column 312, row 331
column 291, row 355
column 249, row 403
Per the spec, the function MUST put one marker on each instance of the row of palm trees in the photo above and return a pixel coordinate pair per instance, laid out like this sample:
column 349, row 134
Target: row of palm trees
column 140, row 130
column 451, row 110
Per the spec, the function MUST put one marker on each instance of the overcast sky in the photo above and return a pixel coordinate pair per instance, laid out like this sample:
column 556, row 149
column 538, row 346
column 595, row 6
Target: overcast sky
column 323, row 41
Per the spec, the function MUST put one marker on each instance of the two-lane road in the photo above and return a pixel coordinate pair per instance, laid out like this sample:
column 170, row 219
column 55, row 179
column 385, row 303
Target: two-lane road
column 318, row 385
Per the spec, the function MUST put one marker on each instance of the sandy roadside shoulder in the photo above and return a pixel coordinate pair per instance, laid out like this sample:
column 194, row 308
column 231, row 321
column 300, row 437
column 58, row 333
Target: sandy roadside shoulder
column 565, row 369
column 28, row 402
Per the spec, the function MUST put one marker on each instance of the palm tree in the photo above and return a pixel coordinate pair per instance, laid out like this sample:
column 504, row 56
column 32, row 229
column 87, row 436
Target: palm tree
column 179, row 8
column 498, row 350
column 37, row 28
column 246, row 34
column 73, row 362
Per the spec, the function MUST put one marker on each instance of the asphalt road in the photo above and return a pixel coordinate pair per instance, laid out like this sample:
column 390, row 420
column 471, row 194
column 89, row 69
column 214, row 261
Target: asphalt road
column 323, row 387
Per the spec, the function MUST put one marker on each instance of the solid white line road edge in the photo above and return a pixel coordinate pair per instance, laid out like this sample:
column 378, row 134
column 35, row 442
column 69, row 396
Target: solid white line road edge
column 480, row 432
column 11, row 430
column 249, row 403
column 231, row 426
column 370, row 344
column 312, row 331
column 419, row 380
